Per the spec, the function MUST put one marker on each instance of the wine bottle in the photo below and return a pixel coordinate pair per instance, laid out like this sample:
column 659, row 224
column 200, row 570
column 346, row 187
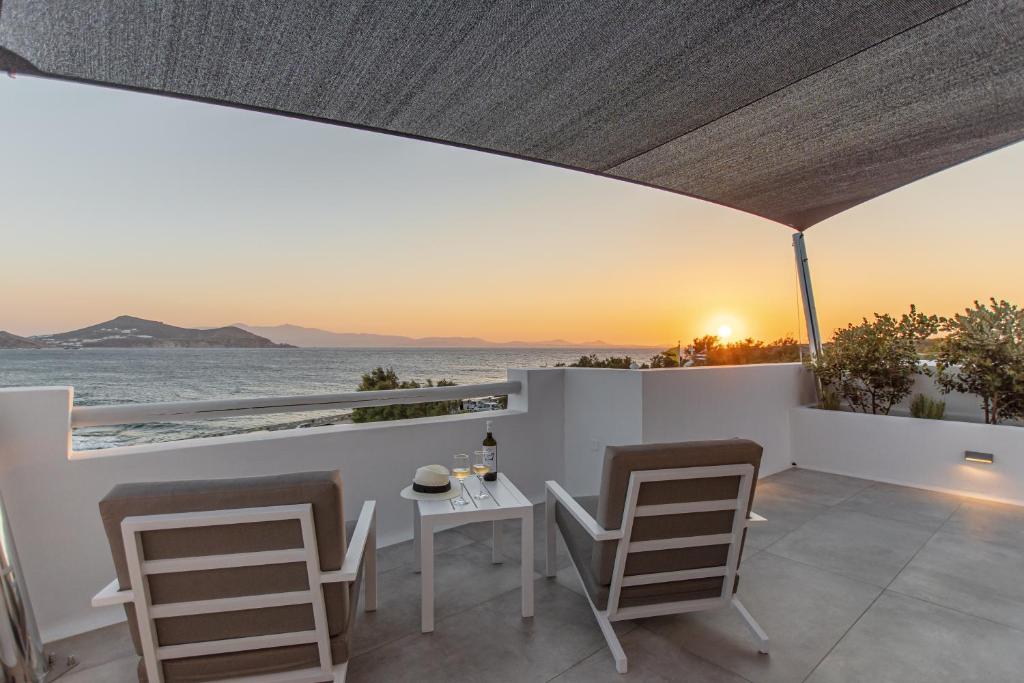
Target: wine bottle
column 490, row 454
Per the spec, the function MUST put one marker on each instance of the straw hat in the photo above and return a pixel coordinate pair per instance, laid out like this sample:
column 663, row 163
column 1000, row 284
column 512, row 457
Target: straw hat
column 431, row 483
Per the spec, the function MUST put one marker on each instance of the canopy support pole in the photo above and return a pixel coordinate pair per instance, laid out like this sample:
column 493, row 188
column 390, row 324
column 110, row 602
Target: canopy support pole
column 807, row 295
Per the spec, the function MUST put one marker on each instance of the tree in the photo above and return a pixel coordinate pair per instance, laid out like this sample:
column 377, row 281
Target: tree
column 872, row 365
column 380, row 379
column 592, row 361
column 665, row 359
column 983, row 354
column 748, row 351
column 709, row 350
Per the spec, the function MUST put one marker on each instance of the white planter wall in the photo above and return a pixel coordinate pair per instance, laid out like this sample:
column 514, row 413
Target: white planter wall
column 905, row 450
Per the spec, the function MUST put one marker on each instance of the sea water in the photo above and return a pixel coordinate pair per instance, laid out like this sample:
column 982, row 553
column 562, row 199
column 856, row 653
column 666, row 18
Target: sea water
column 110, row 376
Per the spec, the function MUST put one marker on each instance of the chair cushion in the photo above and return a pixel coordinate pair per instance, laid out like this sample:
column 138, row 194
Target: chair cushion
column 621, row 461
column 320, row 489
column 596, row 561
column 583, row 548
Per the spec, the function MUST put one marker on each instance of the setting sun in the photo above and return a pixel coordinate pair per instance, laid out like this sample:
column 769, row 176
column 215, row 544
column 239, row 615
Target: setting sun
column 724, row 332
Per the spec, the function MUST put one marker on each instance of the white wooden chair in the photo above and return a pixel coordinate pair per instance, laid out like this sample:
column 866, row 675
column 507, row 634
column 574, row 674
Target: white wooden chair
column 674, row 519
column 281, row 655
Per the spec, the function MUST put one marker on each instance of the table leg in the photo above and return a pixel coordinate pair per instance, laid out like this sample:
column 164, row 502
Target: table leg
column 527, row 559
column 496, row 542
column 416, row 533
column 426, row 575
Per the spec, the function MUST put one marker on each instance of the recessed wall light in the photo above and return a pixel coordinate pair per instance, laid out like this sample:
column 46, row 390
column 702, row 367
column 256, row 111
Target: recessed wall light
column 974, row 456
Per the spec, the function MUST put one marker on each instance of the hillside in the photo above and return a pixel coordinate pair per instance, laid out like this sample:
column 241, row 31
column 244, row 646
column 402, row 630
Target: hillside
column 130, row 332
column 13, row 341
column 313, row 337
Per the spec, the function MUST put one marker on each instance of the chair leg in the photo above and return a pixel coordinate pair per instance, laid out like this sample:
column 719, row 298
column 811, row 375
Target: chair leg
column 551, row 547
column 370, row 569
column 754, row 627
column 340, row 671
column 618, row 654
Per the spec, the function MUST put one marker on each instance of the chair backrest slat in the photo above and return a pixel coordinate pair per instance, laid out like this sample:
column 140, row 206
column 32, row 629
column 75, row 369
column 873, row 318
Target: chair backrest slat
column 681, row 575
column 199, row 563
column 676, row 543
column 685, row 508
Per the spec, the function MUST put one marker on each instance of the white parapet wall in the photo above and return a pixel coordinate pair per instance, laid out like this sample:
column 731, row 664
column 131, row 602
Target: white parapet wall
column 617, row 407
column 52, row 493
column 745, row 401
column 602, row 408
column 914, row 452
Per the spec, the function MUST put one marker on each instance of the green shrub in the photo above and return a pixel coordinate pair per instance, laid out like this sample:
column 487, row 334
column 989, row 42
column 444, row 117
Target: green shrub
column 983, row 354
column 872, row 365
column 592, row 361
column 380, row 379
column 927, row 408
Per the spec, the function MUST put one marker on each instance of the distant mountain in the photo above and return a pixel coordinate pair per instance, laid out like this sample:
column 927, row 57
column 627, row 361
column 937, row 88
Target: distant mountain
column 129, row 331
column 310, row 336
column 13, row 341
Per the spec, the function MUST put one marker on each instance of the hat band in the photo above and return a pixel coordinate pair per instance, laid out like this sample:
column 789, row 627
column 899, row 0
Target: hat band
column 420, row 488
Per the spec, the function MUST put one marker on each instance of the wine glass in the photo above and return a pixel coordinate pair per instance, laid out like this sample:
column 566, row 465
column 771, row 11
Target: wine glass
column 480, row 468
column 461, row 471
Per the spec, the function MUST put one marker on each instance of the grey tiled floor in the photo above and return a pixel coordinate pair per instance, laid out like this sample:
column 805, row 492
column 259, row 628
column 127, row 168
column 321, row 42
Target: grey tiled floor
column 853, row 580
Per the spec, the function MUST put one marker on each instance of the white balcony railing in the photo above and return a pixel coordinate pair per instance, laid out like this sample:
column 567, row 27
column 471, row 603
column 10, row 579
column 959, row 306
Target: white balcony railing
column 185, row 411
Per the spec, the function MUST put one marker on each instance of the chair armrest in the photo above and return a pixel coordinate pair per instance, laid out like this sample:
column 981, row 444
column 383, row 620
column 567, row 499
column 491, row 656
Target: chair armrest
column 754, row 518
column 112, row 595
column 596, row 531
column 356, row 546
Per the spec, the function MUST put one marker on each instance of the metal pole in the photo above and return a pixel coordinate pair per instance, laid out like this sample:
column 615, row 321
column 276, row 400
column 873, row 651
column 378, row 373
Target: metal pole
column 807, row 295
column 20, row 646
column 22, row 659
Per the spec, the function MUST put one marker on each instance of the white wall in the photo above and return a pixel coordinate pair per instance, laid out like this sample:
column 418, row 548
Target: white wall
column 611, row 407
column 747, row 401
column 52, row 498
column 910, row 451
column 602, row 408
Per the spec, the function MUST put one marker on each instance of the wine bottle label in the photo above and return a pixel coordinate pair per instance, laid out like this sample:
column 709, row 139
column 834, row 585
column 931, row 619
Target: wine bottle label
column 491, row 457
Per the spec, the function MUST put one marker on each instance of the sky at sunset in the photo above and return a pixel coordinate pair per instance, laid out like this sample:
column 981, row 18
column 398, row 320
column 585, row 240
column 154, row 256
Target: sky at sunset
column 119, row 203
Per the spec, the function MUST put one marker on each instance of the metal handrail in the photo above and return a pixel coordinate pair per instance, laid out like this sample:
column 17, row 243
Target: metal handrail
column 186, row 411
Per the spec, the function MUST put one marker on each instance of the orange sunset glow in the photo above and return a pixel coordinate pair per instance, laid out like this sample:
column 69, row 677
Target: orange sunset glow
column 203, row 216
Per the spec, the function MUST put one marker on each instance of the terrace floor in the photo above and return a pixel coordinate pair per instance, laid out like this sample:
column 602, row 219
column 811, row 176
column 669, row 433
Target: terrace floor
column 853, row 580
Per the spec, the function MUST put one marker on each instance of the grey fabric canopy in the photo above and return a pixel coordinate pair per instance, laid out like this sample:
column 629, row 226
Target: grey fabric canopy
column 794, row 111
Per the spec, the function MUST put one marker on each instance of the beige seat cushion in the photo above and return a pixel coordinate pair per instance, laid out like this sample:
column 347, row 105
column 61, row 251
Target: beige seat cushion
column 595, row 561
column 320, row 489
column 582, row 548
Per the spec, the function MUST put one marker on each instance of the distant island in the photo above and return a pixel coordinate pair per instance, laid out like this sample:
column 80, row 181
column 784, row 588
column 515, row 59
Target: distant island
column 311, row 336
column 13, row 341
column 130, row 332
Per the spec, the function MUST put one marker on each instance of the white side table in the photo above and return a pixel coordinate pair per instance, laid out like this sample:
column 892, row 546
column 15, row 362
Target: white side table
column 505, row 502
